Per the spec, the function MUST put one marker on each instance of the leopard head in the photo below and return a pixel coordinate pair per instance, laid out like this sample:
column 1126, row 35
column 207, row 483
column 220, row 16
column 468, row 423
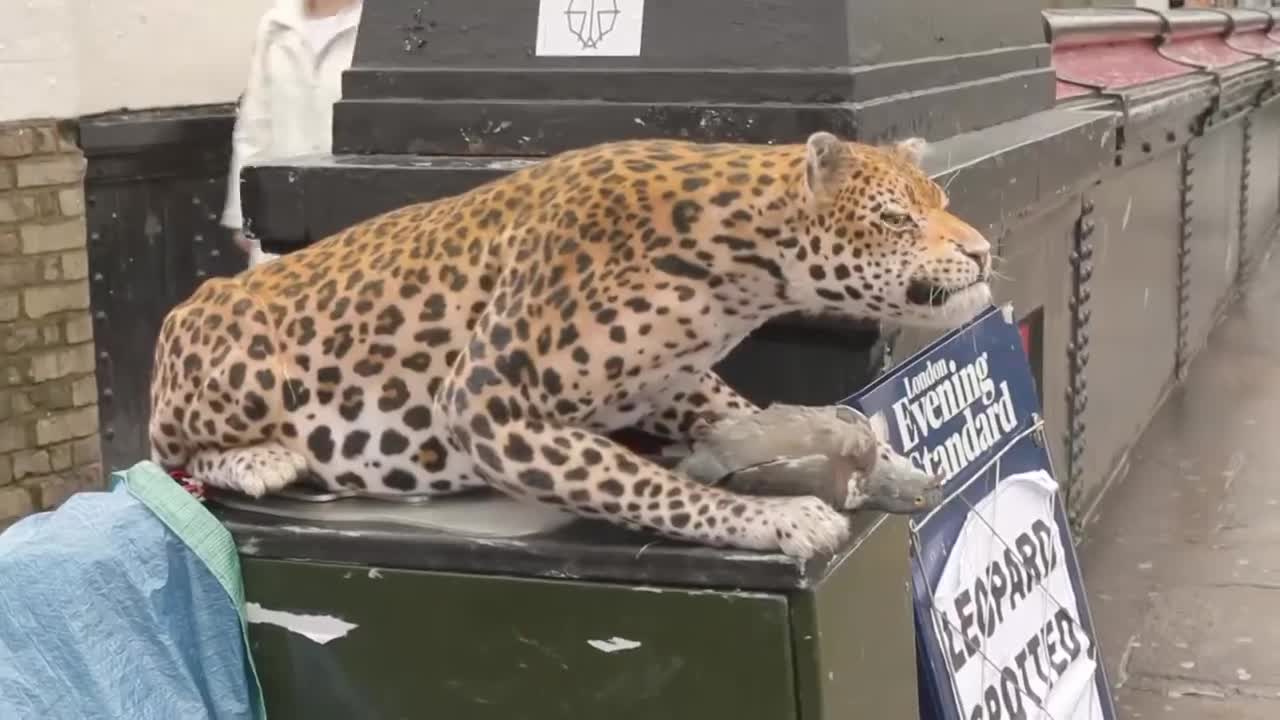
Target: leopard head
column 876, row 239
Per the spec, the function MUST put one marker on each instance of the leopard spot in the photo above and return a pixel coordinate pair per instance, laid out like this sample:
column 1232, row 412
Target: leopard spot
column 489, row 457
column 481, row 427
column 536, row 479
column 294, row 394
column 417, row 362
column 418, row 417
column 395, row 394
column 254, row 407
column 266, row 379
column 235, row 375
column 320, row 443
column 392, row 442
column 353, row 445
column 518, row 449
column 399, row 479
column 432, row 455
column 351, row 480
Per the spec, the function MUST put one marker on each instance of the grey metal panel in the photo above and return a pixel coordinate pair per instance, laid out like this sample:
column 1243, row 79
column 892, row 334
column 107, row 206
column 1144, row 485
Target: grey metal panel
column 883, row 31
column 1263, row 180
column 1214, row 221
column 1035, row 272
column 997, row 177
column 1134, row 310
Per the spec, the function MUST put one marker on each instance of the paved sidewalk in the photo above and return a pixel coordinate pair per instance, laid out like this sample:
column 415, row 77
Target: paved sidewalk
column 1183, row 562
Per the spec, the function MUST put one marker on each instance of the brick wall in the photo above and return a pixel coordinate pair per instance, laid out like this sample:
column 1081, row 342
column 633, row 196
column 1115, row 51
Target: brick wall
column 48, row 395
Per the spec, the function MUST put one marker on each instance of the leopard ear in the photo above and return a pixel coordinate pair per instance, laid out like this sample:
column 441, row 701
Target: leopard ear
column 828, row 164
column 911, row 149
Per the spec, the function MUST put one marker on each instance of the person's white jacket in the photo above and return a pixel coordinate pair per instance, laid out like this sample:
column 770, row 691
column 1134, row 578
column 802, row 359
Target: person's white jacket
column 287, row 106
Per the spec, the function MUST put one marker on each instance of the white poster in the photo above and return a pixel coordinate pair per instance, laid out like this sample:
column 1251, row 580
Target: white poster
column 585, row 28
column 1006, row 613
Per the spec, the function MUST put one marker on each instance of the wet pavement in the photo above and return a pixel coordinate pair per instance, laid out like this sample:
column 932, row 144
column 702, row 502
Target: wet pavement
column 1182, row 562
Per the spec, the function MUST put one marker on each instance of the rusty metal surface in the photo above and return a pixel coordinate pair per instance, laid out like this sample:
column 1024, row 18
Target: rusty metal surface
column 1080, row 308
column 1182, row 354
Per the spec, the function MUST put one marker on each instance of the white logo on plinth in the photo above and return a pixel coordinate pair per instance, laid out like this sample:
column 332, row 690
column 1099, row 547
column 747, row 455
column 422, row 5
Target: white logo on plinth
column 586, row 28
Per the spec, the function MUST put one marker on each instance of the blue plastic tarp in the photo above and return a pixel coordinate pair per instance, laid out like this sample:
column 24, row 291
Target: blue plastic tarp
column 124, row 604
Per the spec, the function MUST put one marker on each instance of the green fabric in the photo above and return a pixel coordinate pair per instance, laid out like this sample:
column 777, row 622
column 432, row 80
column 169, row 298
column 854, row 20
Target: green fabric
column 187, row 518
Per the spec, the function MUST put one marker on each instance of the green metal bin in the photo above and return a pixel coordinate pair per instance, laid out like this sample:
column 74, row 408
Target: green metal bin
column 481, row 608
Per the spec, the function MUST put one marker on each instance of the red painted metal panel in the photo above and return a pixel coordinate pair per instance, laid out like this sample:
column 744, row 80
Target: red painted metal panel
column 1067, row 90
column 1113, row 65
column 1256, row 42
column 1209, row 51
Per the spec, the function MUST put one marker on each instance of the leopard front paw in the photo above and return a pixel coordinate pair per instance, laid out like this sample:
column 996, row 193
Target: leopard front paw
column 803, row 527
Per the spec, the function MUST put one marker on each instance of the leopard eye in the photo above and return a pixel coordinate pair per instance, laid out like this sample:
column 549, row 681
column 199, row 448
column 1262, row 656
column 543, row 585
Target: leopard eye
column 896, row 218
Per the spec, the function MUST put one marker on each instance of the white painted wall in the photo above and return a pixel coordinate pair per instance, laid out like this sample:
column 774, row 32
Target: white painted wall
column 64, row 58
column 37, row 59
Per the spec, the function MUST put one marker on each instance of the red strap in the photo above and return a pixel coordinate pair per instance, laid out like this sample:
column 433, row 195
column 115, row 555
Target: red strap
column 183, row 478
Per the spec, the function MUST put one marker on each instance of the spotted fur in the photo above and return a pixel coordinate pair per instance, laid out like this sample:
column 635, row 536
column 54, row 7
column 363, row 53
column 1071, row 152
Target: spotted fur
column 495, row 337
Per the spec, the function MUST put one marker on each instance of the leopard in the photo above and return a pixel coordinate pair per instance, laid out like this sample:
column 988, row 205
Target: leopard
column 498, row 338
